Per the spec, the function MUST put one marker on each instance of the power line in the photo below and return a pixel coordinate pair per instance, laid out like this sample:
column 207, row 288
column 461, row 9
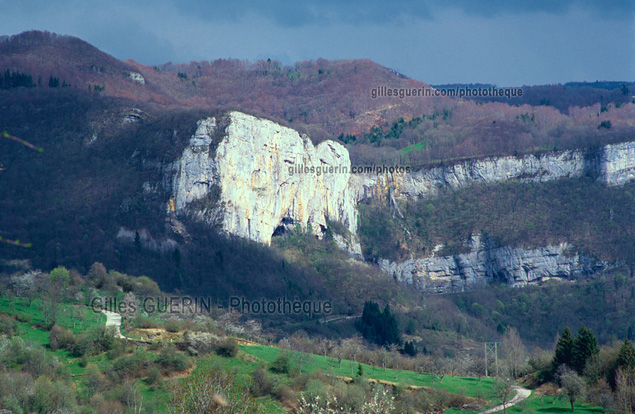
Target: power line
column 491, row 348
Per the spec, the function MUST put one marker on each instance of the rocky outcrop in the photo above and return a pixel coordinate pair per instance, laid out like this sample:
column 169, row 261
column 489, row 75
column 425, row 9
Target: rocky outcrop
column 612, row 165
column 257, row 179
column 617, row 163
column 268, row 179
column 486, row 263
column 137, row 77
column 196, row 172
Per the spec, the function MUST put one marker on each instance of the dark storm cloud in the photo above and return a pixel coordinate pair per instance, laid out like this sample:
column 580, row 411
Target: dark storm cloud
column 509, row 42
column 129, row 40
column 607, row 9
column 112, row 26
column 294, row 13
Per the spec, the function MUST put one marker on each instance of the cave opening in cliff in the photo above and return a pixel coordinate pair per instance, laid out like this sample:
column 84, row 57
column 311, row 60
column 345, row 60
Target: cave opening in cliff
column 285, row 226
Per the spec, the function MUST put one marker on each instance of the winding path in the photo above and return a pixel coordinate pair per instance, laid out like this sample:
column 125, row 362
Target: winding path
column 521, row 394
column 114, row 319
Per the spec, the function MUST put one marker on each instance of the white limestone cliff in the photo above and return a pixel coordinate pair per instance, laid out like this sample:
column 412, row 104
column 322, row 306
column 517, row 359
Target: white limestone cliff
column 613, row 165
column 196, row 171
column 249, row 174
column 617, row 163
column 258, row 167
column 485, row 264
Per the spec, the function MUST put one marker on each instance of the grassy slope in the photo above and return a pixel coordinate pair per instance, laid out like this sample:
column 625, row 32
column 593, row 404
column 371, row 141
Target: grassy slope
column 458, row 385
column 252, row 357
column 419, row 146
column 244, row 364
column 33, row 315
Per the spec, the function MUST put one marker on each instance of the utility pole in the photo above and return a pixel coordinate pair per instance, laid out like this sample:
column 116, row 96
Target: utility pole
column 491, row 348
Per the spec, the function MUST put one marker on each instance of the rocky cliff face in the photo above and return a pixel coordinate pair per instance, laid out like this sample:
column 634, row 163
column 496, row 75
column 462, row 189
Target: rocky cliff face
column 258, row 179
column 617, row 163
column 612, row 165
column 485, row 264
column 268, row 179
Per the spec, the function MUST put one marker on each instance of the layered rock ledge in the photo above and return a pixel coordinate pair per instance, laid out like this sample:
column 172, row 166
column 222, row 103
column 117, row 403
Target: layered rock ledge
column 258, row 179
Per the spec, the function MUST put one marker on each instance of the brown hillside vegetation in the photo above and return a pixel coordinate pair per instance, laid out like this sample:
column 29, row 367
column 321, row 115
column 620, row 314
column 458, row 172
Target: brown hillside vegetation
column 323, row 97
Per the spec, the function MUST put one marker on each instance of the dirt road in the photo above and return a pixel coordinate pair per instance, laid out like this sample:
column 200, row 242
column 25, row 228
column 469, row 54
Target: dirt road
column 521, row 394
column 114, row 319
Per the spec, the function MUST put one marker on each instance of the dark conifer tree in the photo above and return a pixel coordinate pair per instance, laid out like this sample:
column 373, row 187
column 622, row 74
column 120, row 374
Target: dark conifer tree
column 377, row 326
column 626, row 357
column 585, row 346
column 564, row 350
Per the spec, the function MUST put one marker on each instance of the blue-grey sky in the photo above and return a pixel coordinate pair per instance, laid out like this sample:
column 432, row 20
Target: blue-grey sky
column 506, row 42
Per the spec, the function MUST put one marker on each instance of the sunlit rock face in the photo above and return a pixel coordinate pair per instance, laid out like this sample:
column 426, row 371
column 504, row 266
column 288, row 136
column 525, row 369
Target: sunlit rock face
column 269, row 179
column 486, row 264
column 613, row 165
column 195, row 172
column 617, row 163
column 257, row 179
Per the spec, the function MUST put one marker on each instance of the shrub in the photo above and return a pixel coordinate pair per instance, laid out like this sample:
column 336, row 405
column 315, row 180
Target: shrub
column 351, row 396
column 144, row 286
column 154, row 377
column 173, row 326
column 283, row 393
column 83, row 346
column 201, row 342
column 316, row 391
column 53, row 396
column 143, row 322
column 38, row 362
column 130, row 366
column 8, row 325
column 104, row 406
column 227, row 348
column 118, row 348
column 103, row 338
column 201, row 391
column 171, row 360
column 94, row 381
column 261, row 383
column 60, row 337
column 83, row 361
column 282, row 364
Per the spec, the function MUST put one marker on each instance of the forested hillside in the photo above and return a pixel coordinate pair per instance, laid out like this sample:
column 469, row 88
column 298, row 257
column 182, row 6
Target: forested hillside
column 591, row 217
column 99, row 191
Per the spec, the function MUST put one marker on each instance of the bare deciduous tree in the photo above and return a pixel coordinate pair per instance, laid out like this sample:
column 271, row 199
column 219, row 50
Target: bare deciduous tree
column 326, row 346
column 213, row 391
column 302, row 358
column 601, row 395
column 132, row 397
column 514, row 352
column 503, row 390
column 625, row 389
column 384, row 358
column 353, row 346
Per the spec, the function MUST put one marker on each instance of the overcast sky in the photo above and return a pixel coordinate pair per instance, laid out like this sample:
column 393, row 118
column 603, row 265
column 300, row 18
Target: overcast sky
column 505, row 42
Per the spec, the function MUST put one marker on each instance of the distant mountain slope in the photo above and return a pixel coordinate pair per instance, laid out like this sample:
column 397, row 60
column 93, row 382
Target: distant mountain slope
column 73, row 62
column 562, row 97
column 325, row 98
column 330, row 99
